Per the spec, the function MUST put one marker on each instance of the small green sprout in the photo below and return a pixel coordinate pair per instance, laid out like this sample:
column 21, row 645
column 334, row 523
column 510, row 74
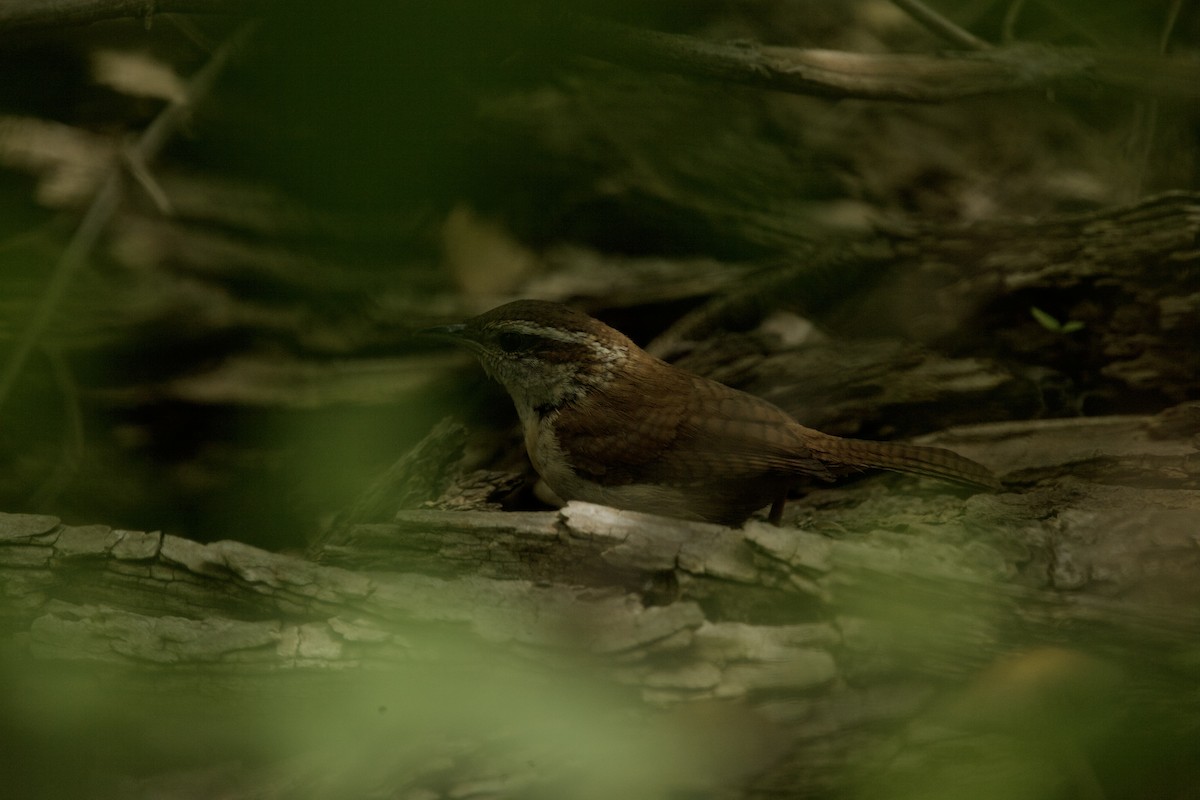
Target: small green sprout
column 1051, row 324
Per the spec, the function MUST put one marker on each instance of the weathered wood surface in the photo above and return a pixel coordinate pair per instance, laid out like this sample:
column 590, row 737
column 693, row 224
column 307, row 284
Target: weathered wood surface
column 873, row 604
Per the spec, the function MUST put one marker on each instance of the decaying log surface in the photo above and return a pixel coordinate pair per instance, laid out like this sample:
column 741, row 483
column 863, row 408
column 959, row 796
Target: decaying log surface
column 875, row 606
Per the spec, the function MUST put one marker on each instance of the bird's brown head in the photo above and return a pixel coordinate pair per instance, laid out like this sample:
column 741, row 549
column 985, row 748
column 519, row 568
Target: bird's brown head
column 545, row 354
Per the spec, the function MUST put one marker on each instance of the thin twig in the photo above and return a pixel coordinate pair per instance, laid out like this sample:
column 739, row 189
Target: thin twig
column 941, row 25
column 73, row 437
column 1150, row 124
column 104, row 206
column 1009, row 27
column 191, row 30
column 1169, row 26
column 142, row 174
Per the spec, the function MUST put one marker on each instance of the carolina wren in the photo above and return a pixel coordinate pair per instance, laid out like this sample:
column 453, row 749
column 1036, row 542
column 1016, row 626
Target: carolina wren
column 608, row 423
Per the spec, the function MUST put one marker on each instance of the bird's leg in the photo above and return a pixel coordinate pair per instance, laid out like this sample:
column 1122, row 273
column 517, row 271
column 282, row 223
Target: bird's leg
column 776, row 513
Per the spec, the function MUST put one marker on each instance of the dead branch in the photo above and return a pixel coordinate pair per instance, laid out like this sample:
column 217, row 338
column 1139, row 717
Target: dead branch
column 43, row 14
column 904, row 77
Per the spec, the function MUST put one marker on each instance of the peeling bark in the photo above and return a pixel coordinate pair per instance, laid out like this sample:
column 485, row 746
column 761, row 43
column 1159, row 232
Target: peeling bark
column 890, row 593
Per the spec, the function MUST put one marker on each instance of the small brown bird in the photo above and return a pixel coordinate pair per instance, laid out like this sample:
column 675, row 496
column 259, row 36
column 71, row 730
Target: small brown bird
column 608, row 423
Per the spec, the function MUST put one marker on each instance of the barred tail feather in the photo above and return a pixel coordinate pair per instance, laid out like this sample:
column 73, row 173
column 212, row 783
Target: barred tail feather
column 917, row 459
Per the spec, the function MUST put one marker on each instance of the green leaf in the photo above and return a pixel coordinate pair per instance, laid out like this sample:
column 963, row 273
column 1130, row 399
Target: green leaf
column 1045, row 320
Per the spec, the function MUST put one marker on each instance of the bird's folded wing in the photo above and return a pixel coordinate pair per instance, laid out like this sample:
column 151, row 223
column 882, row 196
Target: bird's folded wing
column 690, row 430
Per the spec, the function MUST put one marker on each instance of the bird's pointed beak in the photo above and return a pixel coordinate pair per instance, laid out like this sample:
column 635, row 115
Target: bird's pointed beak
column 453, row 332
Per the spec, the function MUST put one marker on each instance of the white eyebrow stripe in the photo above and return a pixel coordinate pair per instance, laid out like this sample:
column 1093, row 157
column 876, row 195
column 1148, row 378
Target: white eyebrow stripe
column 533, row 329
column 606, row 355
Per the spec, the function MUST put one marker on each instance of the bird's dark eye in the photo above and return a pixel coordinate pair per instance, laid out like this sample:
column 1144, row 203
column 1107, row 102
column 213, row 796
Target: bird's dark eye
column 513, row 342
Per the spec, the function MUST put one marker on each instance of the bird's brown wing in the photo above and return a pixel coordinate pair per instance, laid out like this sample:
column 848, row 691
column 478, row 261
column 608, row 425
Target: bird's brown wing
column 671, row 427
